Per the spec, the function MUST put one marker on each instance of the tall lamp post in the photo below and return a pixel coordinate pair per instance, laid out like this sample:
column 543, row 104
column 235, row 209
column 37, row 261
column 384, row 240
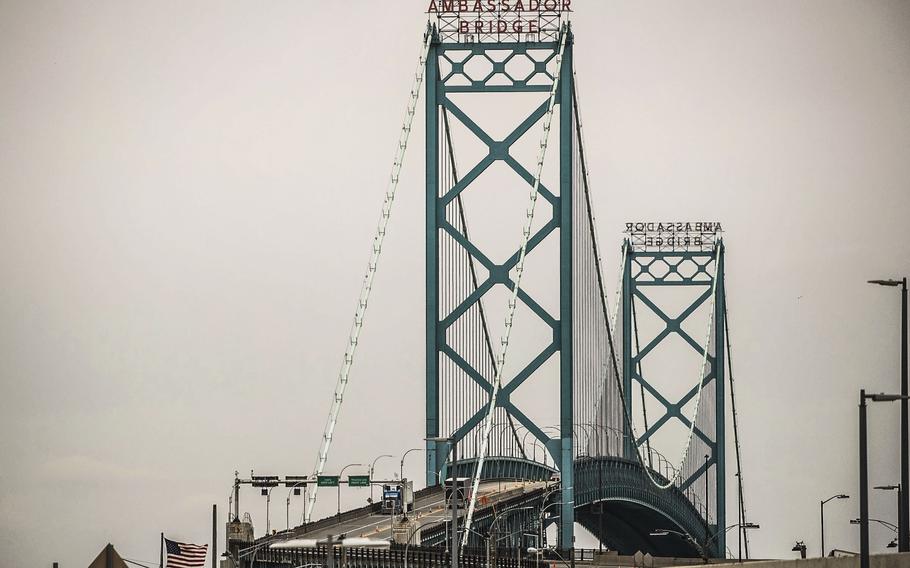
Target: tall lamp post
column 891, row 526
column 686, row 537
column 372, row 470
column 864, row 471
column 339, row 482
column 903, row 537
column 841, row 496
column 900, row 503
column 404, row 455
column 295, row 489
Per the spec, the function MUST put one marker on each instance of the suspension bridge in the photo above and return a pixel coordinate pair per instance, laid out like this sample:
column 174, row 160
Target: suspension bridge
column 566, row 424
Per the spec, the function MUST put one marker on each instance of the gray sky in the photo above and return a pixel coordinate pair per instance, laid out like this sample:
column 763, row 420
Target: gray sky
column 188, row 192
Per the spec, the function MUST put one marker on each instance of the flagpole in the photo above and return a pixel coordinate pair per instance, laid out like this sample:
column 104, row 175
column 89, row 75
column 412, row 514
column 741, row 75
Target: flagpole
column 161, row 553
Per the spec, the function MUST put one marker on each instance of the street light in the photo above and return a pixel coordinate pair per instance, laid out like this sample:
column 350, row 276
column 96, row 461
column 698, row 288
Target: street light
column 684, row 536
column 268, row 500
column 900, row 503
column 841, row 496
column 372, row 470
column 339, row 482
column 295, row 489
column 492, row 530
column 404, row 455
column 864, row 472
column 903, row 537
column 742, row 528
column 890, row 526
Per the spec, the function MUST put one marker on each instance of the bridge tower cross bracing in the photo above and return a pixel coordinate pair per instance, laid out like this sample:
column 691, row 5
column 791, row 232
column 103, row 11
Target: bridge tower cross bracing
column 446, row 75
column 648, row 269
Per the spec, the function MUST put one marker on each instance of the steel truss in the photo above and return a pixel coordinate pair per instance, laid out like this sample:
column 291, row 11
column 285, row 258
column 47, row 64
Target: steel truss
column 498, row 79
column 644, row 271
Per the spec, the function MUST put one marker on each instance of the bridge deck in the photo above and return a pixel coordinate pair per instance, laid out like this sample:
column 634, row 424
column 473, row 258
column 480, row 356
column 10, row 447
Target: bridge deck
column 429, row 506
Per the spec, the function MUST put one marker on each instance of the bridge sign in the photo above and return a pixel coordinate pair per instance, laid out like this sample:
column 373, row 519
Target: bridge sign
column 499, row 20
column 327, row 481
column 358, row 481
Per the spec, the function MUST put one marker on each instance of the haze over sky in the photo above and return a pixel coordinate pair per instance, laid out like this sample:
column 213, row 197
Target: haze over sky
column 187, row 197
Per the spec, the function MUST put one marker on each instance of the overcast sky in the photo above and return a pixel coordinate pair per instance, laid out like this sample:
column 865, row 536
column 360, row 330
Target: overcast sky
column 187, row 197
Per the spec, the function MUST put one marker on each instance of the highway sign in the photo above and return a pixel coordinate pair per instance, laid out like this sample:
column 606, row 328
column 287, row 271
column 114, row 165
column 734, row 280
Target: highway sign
column 358, row 481
column 327, row 481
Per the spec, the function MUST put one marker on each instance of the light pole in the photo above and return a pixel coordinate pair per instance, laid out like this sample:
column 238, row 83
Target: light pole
column 900, row 503
column 295, row 489
column 684, row 536
column 903, row 538
column 841, row 496
column 864, row 471
column 372, row 470
column 885, row 524
column 339, row 482
column 404, row 455
column 540, row 524
column 503, row 514
column 742, row 528
column 268, row 500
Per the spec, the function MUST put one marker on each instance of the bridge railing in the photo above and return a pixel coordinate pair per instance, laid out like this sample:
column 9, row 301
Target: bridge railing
column 396, row 557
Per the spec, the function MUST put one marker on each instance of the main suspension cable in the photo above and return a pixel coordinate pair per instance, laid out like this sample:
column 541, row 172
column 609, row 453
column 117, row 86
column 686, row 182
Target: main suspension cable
column 367, row 286
column 513, row 299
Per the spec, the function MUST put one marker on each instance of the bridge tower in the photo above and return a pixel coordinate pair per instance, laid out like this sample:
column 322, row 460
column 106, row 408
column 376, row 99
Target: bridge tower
column 460, row 374
column 690, row 258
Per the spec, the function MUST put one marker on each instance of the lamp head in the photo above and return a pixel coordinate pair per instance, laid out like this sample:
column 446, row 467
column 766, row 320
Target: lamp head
column 889, row 282
column 882, row 397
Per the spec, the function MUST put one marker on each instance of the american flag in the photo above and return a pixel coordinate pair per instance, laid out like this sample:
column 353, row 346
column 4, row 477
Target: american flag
column 180, row 555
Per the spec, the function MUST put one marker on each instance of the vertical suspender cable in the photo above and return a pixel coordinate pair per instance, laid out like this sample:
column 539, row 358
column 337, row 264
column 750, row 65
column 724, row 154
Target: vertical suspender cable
column 627, row 417
column 487, row 342
column 644, row 407
column 513, row 299
column 739, row 468
column 367, row 286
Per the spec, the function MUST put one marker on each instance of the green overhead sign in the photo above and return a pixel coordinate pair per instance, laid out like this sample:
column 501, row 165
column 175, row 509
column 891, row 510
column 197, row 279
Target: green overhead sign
column 358, row 480
column 327, row 481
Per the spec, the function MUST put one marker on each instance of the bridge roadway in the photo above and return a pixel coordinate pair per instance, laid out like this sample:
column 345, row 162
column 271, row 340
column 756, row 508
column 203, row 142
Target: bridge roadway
column 429, row 510
column 614, row 500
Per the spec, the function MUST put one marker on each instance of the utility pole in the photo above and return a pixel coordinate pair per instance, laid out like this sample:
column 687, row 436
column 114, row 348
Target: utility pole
column 863, row 485
column 904, row 509
column 214, row 536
